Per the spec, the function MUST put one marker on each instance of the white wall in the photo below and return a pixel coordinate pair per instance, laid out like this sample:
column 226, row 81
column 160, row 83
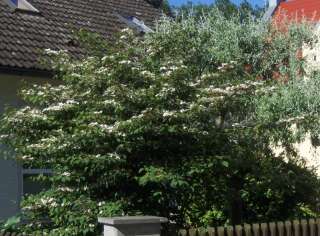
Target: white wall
column 305, row 149
column 312, row 55
column 309, row 153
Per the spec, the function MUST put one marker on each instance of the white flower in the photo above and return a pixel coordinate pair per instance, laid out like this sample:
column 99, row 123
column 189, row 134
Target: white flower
column 111, row 57
column 126, row 30
column 173, row 68
column 49, row 51
column 27, row 158
column 147, row 73
column 76, row 75
column 67, row 174
column 61, row 106
column 46, row 201
column 209, row 75
column 108, row 128
column 125, row 62
column 168, row 73
column 163, row 68
column 97, row 112
column 65, row 189
column 115, row 156
column 168, row 113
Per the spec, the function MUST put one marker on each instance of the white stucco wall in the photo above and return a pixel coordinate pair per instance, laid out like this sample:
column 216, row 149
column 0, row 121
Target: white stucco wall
column 305, row 148
column 10, row 171
column 312, row 54
column 307, row 152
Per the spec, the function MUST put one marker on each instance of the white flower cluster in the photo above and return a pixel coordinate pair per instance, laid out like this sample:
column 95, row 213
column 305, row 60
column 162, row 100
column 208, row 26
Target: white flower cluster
column 174, row 113
column 141, row 115
column 107, row 57
column 49, row 51
column 27, row 158
column 66, row 174
column 61, row 106
column 233, row 89
column 103, row 71
column 43, row 202
column 66, row 189
column 4, row 136
column 29, row 113
column 147, row 74
column 53, row 89
column 51, row 143
column 127, row 31
column 76, row 75
column 44, row 143
column 107, row 128
column 209, row 75
column 97, row 112
column 111, row 102
column 166, row 91
column 115, row 156
column 226, row 66
column 168, row 113
column 170, row 67
column 125, row 62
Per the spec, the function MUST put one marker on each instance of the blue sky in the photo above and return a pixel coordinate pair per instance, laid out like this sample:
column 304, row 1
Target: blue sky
column 179, row 2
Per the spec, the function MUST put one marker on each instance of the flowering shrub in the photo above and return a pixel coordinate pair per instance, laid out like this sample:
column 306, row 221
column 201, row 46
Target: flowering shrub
column 162, row 125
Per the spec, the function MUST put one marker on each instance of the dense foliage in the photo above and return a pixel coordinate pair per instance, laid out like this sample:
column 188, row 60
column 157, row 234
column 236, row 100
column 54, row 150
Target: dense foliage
column 177, row 124
column 162, row 4
column 226, row 7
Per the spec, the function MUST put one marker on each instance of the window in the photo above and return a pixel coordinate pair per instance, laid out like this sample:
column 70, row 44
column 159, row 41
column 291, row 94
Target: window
column 135, row 23
column 32, row 186
column 22, row 5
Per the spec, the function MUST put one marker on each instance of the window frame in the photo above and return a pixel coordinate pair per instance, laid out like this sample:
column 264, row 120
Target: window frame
column 27, row 6
column 32, row 172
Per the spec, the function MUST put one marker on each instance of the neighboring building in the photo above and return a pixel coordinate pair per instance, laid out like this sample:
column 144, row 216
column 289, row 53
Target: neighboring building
column 280, row 11
column 293, row 10
column 27, row 28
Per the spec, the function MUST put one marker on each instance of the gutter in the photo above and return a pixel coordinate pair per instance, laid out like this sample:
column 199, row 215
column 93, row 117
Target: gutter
column 26, row 72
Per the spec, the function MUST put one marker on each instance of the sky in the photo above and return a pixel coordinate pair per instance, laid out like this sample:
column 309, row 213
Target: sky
column 179, row 2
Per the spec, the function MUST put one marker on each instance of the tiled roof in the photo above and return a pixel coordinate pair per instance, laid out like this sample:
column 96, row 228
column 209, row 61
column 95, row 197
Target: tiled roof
column 25, row 36
column 298, row 9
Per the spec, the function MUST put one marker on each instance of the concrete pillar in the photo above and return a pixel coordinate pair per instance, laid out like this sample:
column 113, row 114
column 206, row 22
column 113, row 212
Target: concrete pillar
column 132, row 225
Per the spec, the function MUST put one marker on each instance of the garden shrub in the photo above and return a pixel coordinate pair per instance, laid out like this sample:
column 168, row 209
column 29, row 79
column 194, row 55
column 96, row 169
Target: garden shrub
column 173, row 124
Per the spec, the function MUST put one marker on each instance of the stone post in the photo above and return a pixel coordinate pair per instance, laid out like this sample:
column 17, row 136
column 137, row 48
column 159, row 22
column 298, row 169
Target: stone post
column 132, row 225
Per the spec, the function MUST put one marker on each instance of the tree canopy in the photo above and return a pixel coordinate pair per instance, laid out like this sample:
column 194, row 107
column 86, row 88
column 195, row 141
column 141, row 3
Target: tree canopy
column 163, row 4
column 179, row 124
column 228, row 8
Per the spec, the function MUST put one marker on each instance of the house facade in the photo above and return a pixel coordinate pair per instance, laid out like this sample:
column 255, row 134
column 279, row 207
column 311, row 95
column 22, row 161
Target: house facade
column 27, row 28
column 297, row 11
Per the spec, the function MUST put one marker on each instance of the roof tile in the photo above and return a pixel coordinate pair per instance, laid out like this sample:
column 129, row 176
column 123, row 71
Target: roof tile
column 24, row 37
column 298, row 10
